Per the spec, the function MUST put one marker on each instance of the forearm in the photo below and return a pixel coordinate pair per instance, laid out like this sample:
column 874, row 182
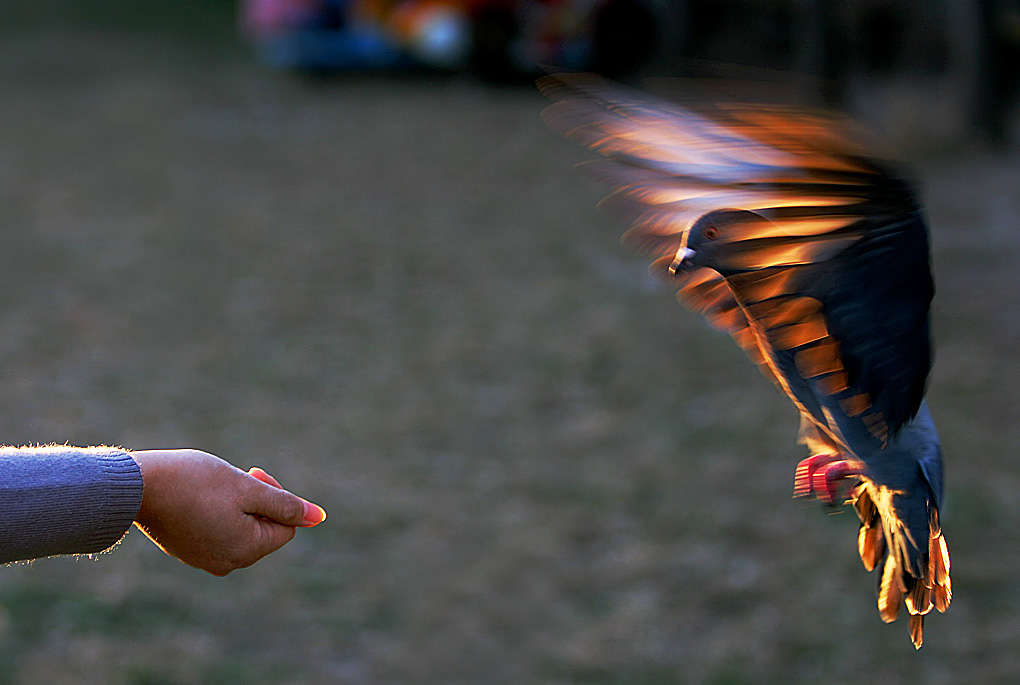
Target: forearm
column 65, row 500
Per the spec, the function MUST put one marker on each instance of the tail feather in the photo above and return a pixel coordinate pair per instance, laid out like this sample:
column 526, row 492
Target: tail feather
column 919, row 599
column 938, row 566
column 890, row 590
column 938, row 559
column 916, row 626
column 870, row 540
column 916, row 575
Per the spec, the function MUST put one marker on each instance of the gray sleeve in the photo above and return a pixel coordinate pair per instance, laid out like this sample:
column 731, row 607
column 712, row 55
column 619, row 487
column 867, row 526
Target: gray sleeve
column 65, row 500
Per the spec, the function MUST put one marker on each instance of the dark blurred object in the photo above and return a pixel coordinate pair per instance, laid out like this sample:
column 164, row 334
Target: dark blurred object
column 960, row 57
column 1000, row 84
column 495, row 38
column 921, row 69
column 940, row 65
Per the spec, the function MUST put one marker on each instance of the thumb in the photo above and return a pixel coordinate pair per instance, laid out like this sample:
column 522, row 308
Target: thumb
column 284, row 507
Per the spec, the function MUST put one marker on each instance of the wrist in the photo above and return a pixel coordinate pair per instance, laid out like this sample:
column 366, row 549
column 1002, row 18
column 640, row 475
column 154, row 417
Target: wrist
column 156, row 471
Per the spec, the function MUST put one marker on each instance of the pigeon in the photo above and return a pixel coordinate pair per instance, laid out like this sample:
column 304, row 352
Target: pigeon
column 786, row 228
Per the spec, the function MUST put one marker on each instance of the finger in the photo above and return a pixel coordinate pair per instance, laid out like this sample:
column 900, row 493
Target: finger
column 273, row 536
column 284, row 507
column 260, row 474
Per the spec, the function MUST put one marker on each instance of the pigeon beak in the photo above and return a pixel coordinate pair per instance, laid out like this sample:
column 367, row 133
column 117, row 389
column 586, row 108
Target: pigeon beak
column 682, row 261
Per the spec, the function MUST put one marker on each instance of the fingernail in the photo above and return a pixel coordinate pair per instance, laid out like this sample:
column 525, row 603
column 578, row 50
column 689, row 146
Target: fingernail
column 314, row 514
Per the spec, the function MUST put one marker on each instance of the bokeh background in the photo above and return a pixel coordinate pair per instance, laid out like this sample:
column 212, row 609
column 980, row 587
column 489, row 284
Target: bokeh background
column 388, row 288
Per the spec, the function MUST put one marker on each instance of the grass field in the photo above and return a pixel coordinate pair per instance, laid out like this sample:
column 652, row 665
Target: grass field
column 396, row 296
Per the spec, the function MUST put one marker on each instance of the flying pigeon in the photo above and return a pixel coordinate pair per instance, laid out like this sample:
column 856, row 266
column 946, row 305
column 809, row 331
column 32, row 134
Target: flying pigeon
column 783, row 227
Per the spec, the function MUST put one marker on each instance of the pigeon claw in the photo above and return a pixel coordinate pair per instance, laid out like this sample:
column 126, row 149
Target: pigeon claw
column 822, row 476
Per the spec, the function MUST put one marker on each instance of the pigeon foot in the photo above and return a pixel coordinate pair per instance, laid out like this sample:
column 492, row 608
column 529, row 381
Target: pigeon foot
column 822, row 476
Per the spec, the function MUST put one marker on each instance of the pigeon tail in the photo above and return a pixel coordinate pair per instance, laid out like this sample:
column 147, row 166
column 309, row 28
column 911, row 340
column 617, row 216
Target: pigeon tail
column 900, row 534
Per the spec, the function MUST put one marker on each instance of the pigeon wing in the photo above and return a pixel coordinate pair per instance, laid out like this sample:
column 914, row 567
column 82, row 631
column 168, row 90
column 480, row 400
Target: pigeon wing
column 827, row 284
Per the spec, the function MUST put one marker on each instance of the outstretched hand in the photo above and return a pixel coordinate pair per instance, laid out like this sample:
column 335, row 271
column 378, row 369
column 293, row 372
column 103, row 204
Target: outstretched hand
column 211, row 515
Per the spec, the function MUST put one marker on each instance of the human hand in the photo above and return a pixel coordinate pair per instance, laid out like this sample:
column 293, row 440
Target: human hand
column 211, row 515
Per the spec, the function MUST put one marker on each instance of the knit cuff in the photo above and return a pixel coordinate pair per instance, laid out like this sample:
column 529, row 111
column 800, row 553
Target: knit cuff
column 123, row 498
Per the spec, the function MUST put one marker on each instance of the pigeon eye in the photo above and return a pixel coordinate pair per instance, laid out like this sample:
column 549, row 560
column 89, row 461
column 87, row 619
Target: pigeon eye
column 711, row 233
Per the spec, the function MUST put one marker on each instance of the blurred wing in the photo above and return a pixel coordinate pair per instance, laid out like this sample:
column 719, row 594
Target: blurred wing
column 807, row 172
column 834, row 285
column 705, row 292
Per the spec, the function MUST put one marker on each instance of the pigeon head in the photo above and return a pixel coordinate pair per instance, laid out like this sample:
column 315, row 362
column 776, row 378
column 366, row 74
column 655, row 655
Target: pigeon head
column 717, row 240
column 733, row 241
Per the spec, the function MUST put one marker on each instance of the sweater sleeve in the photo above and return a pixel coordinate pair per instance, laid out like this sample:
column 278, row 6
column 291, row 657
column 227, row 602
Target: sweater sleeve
column 65, row 500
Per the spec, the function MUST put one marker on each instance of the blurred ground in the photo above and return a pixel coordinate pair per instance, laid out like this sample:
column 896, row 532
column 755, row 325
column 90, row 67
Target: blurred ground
column 396, row 296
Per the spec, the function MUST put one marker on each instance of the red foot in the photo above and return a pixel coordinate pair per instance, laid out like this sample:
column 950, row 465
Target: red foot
column 822, row 475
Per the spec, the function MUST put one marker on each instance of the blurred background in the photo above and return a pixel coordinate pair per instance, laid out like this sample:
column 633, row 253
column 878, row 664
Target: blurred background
column 335, row 240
